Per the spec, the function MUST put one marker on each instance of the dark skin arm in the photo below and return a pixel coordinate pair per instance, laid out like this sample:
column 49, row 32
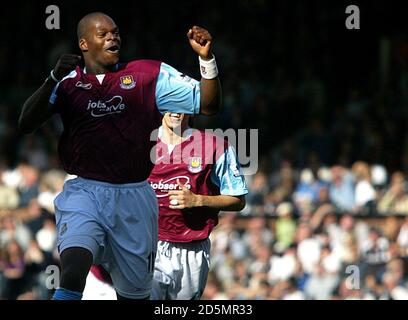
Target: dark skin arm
column 201, row 42
column 37, row 109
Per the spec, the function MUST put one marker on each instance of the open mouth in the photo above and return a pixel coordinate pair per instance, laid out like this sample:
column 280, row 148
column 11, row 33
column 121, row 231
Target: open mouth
column 113, row 49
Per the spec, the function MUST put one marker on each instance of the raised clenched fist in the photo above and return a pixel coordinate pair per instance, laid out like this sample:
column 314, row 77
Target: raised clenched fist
column 201, row 41
column 66, row 63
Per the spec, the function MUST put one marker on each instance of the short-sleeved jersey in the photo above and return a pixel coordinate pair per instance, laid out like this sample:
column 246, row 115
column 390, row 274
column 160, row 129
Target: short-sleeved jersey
column 108, row 125
column 205, row 164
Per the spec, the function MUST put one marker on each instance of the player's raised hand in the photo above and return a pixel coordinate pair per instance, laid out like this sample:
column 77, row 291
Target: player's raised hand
column 201, row 41
column 66, row 63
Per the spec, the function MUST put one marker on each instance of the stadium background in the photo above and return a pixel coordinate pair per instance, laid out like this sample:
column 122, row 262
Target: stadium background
column 331, row 108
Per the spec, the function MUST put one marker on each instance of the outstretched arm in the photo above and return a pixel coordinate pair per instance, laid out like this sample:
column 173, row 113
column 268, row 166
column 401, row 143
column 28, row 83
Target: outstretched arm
column 36, row 108
column 201, row 42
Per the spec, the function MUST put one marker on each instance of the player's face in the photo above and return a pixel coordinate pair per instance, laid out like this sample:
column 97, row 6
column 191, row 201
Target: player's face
column 103, row 41
column 175, row 120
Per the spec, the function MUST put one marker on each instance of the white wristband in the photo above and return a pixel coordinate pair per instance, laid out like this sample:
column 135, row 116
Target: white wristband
column 208, row 68
column 53, row 77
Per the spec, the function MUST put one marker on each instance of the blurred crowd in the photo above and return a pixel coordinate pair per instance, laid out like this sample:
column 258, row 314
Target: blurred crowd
column 326, row 213
column 338, row 233
column 27, row 231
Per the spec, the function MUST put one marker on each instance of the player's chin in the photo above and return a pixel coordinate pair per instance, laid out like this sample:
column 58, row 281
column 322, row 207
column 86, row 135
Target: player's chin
column 111, row 58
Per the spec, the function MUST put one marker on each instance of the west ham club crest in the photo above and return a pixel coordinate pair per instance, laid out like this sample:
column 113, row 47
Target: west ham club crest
column 195, row 164
column 127, row 82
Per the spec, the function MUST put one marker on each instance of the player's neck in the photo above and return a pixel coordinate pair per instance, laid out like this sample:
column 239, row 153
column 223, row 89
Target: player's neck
column 94, row 68
column 174, row 137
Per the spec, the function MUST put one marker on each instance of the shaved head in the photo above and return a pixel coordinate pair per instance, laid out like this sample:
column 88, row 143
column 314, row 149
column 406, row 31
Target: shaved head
column 90, row 20
column 99, row 41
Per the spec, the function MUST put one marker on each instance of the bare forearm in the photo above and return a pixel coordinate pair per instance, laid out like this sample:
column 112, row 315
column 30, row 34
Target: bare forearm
column 222, row 202
column 210, row 101
column 201, row 42
column 36, row 108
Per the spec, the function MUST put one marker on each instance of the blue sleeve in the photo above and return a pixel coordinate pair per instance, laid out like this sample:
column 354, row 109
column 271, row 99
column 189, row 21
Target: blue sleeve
column 176, row 92
column 227, row 174
column 53, row 96
column 55, row 91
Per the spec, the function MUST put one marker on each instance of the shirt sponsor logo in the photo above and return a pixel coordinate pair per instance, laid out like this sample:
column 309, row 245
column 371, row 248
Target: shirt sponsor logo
column 127, row 82
column 102, row 108
column 86, row 86
column 170, row 184
column 195, row 164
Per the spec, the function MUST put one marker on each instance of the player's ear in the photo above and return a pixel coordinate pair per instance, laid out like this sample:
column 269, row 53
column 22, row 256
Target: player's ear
column 83, row 45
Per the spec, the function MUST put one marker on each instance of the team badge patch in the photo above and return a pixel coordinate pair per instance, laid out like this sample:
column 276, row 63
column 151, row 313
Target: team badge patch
column 195, row 164
column 127, row 82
